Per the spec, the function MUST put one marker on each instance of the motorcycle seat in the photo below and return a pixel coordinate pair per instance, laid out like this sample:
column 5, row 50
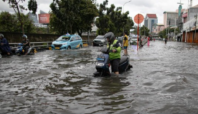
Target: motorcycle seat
column 123, row 59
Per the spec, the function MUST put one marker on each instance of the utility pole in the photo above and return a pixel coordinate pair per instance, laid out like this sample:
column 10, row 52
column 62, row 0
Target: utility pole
column 168, row 28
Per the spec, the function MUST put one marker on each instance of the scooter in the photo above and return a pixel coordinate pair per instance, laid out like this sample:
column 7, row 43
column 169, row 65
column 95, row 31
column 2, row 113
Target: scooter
column 103, row 64
column 20, row 51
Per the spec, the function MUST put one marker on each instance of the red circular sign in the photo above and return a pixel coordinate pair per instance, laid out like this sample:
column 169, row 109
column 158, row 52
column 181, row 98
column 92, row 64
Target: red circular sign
column 139, row 18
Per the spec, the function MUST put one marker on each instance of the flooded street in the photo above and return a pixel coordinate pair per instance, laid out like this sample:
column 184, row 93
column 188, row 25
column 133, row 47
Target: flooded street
column 164, row 80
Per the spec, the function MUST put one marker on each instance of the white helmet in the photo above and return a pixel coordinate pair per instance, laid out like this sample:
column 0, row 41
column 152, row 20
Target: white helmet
column 1, row 35
column 24, row 36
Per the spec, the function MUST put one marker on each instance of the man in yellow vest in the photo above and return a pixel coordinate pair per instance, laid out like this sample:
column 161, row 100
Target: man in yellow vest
column 114, row 48
column 125, row 43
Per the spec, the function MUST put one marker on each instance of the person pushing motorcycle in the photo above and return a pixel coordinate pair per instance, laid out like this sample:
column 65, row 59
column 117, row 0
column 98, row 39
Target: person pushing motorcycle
column 114, row 48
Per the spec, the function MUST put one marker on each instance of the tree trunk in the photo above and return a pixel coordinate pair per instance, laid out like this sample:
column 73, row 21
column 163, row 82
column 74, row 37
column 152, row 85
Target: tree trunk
column 80, row 33
column 20, row 20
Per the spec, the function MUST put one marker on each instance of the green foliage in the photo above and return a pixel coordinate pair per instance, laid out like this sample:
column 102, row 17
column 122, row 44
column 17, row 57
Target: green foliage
column 112, row 19
column 144, row 31
column 15, row 4
column 165, row 32
column 10, row 23
column 32, row 6
column 72, row 15
column 7, row 22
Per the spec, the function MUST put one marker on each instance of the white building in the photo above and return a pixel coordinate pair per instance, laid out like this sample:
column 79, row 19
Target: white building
column 150, row 21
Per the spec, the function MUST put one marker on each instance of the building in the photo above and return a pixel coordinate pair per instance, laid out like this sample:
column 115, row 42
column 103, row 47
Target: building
column 170, row 19
column 190, row 28
column 33, row 17
column 35, row 20
column 150, row 21
column 192, row 11
column 158, row 28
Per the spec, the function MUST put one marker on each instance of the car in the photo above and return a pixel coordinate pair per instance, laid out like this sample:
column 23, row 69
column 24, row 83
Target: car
column 133, row 41
column 67, row 42
column 120, row 39
column 99, row 41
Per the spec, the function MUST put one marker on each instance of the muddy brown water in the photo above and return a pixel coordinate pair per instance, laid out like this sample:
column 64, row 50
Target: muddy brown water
column 164, row 80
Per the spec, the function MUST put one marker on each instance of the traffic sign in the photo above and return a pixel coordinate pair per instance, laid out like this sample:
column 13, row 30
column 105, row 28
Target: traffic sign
column 139, row 18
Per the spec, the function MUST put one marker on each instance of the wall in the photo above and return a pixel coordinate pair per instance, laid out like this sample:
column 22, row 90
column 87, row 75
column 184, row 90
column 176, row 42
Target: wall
column 192, row 12
column 17, row 37
column 190, row 37
column 172, row 17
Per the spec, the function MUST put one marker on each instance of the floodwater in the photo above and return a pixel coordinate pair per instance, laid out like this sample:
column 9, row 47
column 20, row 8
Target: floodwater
column 164, row 80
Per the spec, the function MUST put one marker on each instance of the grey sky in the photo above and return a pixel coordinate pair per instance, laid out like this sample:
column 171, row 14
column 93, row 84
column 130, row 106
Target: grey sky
column 134, row 7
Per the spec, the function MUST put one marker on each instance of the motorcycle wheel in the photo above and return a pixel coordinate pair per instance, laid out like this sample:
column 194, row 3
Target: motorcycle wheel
column 32, row 52
column 18, row 54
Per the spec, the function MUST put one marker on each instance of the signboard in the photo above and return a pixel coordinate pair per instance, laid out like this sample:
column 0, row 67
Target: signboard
column 44, row 18
column 138, row 18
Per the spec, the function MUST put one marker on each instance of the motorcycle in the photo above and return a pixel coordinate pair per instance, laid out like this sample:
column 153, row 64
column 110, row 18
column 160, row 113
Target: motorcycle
column 20, row 51
column 103, row 64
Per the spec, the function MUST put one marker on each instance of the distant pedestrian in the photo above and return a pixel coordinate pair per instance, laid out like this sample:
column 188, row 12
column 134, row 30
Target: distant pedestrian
column 4, row 45
column 148, row 41
column 179, row 38
column 125, row 43
column 166, row 39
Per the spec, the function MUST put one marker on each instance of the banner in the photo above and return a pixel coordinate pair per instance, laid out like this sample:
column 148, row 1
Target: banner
column 44, row 18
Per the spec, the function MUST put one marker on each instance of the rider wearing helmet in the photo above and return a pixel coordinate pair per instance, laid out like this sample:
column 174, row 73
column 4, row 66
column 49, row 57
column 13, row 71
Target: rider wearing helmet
column 26, row 43
column 114, row 51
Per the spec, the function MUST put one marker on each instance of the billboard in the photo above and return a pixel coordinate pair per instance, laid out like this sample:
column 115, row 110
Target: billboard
column 44, row 18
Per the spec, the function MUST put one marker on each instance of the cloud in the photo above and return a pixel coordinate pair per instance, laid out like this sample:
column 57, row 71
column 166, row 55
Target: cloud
column 5, row 7
column 41, row 5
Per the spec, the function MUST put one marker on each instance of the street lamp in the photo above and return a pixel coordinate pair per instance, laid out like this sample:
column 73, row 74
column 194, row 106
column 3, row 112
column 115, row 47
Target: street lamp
column 123, row 10
column 124, row 4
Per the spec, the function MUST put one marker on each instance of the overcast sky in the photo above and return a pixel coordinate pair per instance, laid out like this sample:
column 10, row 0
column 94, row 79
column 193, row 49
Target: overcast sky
column 134, row 7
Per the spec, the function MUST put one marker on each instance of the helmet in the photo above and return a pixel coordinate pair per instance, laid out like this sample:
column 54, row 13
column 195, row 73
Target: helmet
column 110, row 36
column 1, row 35
column 24, row 36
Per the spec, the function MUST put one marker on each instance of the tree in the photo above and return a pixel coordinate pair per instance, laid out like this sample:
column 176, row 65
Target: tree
column 72, row 15
column 144, row 31
column 7, row 22
column 129, row 24
column 165, row 32
column 111, row 19
column 103, row 22
column 88, row 12
column 15, row 4
column 10, row 23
